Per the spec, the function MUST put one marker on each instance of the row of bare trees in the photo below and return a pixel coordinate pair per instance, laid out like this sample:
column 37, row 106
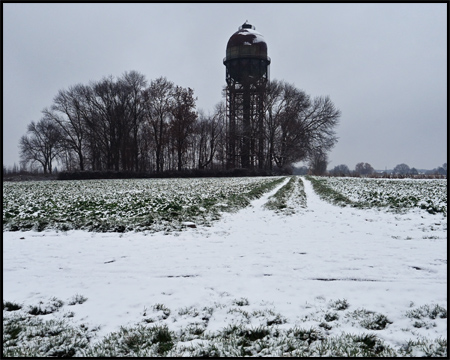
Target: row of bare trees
column 130, row 124
column 400, row 170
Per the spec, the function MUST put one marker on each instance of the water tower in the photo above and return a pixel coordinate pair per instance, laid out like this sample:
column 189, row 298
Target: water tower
column 247, row 73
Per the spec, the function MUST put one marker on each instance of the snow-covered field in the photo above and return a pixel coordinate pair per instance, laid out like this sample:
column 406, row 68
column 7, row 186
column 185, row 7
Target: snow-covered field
column 124, row 204
column 398, row 194
column 335, row 270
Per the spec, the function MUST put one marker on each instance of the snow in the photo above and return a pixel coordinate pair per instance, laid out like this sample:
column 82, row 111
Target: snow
column 295, row 265
column 258, row 37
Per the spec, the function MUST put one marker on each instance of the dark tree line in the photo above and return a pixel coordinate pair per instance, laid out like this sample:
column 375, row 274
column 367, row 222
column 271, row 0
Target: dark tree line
column 130, row 124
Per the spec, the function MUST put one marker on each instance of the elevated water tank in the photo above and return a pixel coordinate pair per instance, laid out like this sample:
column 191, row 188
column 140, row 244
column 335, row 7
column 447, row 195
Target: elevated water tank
column 246, row 55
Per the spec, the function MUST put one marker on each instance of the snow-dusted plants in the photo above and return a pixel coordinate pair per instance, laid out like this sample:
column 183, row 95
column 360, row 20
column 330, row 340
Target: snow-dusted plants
column 392, row 194
column 126, row 204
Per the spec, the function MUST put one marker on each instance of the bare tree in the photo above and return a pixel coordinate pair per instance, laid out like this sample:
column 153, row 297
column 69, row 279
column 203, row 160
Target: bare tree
column 70, row 112
column 284, row 132
column 102, row 130
column 135, row 84
column 42, row 145
column 220, row 135
column 274, row 108
column 209, row 130
column 340, row 170
column 318, row 162
column 108, row 122
column 441, row 171
column 364, row 169
column 318, row 125
column 298, row 127
column 158, row 112
column 182, row 122
column 401, row 169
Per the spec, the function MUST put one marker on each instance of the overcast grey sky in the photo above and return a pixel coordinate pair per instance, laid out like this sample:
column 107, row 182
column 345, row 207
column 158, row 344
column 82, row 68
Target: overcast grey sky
column 383, row 65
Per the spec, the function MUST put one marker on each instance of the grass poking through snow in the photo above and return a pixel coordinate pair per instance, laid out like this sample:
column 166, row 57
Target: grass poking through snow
column 253, row 331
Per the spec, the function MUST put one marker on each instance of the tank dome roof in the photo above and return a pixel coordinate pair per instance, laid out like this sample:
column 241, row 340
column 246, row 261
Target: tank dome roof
column 246, row 42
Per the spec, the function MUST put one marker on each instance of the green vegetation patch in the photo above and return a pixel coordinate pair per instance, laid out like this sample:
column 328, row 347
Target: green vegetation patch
column 121, row 205
column 325, row 192
column 36, row 335
column 398, row 195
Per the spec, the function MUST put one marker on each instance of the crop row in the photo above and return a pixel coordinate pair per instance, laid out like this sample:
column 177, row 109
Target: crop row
column 395, row 194
column 289, row 198
column 126, row 204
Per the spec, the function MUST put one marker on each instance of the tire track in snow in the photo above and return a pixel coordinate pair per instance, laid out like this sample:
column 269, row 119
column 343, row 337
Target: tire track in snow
column 254, row 214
